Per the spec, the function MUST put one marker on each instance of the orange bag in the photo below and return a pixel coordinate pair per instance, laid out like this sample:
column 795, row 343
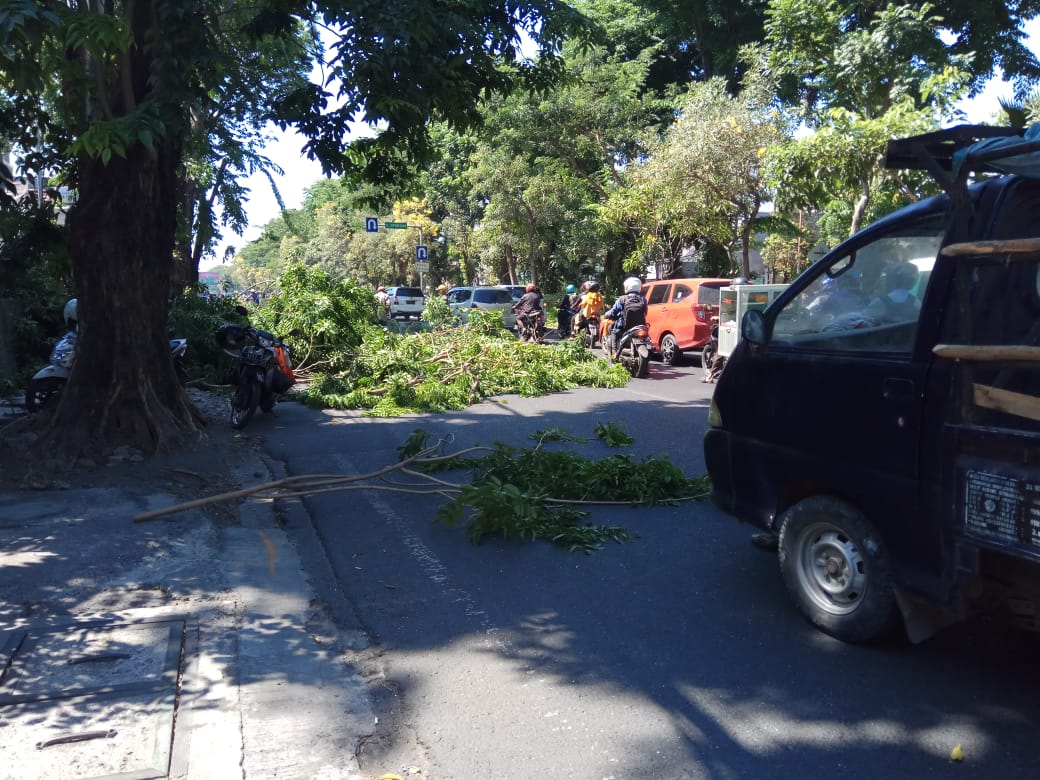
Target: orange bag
column 281, row 354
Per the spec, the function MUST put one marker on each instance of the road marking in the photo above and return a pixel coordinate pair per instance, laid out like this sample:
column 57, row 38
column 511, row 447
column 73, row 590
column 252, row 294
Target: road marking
column 432, row 566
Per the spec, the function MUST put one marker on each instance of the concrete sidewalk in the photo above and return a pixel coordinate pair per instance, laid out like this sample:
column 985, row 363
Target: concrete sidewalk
column 188, row 646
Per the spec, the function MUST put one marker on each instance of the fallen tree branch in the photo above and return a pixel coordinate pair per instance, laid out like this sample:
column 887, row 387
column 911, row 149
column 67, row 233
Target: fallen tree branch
column 299, row 485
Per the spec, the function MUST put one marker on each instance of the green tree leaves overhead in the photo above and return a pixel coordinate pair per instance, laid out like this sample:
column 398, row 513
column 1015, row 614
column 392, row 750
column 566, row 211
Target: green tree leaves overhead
column 127, row 81
column 862, row 76
column 704, row 182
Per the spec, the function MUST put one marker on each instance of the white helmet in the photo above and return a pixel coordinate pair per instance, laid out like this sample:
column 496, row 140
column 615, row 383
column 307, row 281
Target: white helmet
column 632, row 285
column 69, row 314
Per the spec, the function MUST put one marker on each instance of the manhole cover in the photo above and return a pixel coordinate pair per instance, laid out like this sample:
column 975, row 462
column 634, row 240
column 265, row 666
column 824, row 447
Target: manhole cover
column 90, row 699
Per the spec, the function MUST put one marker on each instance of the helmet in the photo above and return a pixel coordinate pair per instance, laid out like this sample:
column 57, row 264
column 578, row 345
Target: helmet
column 632, row 285
column 593, row 286
column 71, row 320
column 738, row 281
column 442, row 288
column 585, row 286
column 380, row 289
column 531, row 288
column 571, row 288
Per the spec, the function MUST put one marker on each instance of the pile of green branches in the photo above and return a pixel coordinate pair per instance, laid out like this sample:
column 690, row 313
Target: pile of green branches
column 520, row 495
column 530, row 493
column 453, row 367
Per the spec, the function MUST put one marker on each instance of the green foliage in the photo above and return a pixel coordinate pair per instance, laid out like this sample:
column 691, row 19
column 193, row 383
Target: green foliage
column 613, row 435
column 703, row 181
column 323, row 320
column 450, row 369
column 35, row 271
column 438, row 314
column 487, row 323
column 532, row 493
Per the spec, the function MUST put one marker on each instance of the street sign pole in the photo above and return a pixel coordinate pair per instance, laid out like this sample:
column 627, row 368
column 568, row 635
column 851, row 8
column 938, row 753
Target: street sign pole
column 422, row 265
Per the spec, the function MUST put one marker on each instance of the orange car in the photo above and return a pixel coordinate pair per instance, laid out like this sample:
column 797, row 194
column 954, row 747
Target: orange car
column 679, row 313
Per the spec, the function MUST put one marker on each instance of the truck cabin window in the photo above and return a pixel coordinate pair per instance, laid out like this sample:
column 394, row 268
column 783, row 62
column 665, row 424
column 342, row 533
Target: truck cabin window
column 869, row 299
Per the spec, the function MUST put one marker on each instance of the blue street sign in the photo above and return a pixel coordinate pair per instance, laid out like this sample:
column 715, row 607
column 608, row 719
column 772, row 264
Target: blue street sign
column 371, row 224
column 422, row 252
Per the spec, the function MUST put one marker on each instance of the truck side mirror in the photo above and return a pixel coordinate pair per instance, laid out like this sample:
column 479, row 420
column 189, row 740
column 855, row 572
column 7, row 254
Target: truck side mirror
column 753, row 328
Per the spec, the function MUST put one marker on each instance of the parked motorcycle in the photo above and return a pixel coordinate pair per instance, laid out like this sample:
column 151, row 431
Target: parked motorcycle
column 47, row 383
column 531, row 327
column 632, row 349
column 264, row 369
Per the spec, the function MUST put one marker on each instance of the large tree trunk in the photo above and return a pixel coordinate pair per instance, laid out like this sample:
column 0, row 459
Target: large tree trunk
column 123, row 389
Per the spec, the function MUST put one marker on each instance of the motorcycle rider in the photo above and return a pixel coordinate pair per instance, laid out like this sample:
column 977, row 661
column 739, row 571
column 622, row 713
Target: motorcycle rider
column 628, row 311
column 578, row 321
column 382, row 304
column 527, row 310
column 591, row 305
column 565, row 311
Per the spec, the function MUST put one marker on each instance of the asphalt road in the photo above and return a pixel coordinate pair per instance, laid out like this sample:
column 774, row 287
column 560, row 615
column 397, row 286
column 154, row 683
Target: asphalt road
column 677, row 655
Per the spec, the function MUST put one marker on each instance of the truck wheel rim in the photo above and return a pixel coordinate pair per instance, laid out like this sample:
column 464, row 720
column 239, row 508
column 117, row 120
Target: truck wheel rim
column 831, row 570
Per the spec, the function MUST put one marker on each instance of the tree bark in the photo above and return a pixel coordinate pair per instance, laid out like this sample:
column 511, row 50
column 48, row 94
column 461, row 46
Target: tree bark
column 861, row 207
column 185, row 269
column 122, row 389
column 613, row 273
column 510, row 264
column 747, row 233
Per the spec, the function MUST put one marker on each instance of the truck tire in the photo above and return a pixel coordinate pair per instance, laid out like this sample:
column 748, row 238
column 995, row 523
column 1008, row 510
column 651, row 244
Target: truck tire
column 838, row 570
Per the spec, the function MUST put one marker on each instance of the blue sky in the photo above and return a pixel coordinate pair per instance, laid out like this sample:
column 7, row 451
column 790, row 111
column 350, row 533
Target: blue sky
column 301, row 173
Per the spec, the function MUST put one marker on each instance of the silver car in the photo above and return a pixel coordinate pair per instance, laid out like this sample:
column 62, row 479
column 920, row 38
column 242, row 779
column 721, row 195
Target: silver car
column 516, row 290
column 462, row 300
column 406, row 302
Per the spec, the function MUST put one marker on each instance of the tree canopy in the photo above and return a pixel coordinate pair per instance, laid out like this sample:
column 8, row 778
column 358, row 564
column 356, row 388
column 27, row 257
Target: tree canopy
column 635, row 130
column 115, row 88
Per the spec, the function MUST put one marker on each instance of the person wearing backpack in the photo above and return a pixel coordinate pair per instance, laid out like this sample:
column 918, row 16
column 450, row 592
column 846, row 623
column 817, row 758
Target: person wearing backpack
column 629, row 310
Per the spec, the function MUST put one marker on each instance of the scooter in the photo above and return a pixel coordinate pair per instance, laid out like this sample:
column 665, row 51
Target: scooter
column 632, row 349
column 47, row 383
column 264, row 369
column 591, row 331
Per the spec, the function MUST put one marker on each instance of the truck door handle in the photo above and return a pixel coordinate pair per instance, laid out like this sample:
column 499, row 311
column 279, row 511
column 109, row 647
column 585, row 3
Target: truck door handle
column 895, row 389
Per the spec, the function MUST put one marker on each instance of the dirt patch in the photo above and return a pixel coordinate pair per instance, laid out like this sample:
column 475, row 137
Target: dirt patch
column 203, row 466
